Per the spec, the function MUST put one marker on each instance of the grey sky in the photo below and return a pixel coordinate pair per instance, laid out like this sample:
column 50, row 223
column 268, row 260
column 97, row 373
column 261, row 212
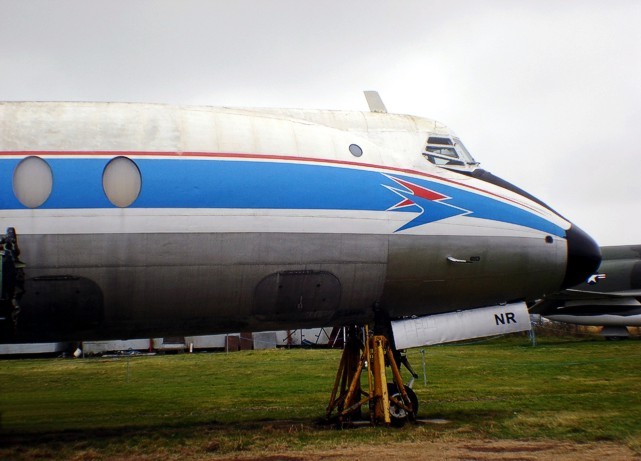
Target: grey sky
column 546, row 94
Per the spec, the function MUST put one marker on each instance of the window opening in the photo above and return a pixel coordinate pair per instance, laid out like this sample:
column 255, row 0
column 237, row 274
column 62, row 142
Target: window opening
column 355, row 150
column 448, row 153
column 121, row 181
column 32, row 181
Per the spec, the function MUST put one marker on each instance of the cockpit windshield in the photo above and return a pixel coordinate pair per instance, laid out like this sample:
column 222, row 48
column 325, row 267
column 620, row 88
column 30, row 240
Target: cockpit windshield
column 448, row 152
column 464, row 153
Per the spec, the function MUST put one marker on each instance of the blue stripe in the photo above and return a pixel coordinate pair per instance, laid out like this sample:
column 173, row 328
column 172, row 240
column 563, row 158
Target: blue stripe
column 217, row 183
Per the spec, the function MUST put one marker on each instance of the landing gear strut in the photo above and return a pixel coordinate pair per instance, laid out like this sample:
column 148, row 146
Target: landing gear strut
column 391, row 403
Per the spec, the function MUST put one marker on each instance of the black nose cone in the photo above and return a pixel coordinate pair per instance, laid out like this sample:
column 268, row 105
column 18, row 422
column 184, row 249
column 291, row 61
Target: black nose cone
column 584, row 257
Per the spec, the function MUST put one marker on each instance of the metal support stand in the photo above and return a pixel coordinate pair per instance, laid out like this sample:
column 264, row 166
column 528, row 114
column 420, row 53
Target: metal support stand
column 389, row 403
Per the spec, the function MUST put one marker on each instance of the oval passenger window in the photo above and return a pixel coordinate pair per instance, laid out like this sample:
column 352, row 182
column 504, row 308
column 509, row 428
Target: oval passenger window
column 32, row 182
column 121, row 181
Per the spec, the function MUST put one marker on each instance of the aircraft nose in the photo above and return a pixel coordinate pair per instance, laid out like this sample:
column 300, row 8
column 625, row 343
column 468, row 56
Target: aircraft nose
column 584, row 257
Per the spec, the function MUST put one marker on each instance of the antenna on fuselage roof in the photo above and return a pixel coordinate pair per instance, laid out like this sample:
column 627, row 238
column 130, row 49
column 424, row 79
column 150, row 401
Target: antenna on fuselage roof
column 375, row 102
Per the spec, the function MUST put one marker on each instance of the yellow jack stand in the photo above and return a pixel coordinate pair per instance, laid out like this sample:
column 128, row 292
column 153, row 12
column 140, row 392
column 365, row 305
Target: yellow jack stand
column 347, row 394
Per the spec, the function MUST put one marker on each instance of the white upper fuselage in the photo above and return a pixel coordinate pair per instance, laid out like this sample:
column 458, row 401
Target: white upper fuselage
column 390, row 144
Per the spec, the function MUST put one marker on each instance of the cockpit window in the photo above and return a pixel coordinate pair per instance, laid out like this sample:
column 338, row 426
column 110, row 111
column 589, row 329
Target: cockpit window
column 464, row 153
column 449, row 153
column 437, row 140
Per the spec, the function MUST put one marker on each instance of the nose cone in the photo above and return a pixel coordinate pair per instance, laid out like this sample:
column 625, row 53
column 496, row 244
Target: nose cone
column 584, row 257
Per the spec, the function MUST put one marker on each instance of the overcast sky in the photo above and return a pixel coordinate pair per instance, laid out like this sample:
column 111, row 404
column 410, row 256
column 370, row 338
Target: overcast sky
column 546, row 94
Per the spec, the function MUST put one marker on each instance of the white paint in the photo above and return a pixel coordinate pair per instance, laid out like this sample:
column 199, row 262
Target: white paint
column 37, row 348
column 461, row 325
column 186, row 220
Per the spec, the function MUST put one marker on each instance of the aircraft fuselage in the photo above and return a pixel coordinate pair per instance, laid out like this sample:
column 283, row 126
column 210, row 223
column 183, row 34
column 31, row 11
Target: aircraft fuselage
column 138, row 220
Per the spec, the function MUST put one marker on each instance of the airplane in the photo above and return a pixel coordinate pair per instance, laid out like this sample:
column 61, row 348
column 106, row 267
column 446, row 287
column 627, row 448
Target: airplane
column 130, row 220
column 610, row 298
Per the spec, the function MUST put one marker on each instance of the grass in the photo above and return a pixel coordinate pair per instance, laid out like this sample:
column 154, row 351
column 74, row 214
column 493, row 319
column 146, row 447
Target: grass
column 579, row 391
column 178, row 405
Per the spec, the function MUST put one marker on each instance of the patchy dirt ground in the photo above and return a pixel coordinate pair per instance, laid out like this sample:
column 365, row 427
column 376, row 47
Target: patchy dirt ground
column 171, row 443
column 460, row 451
column 453, row 450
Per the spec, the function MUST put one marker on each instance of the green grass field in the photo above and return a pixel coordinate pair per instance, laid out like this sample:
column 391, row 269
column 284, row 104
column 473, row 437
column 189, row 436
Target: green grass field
column 562, row 389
